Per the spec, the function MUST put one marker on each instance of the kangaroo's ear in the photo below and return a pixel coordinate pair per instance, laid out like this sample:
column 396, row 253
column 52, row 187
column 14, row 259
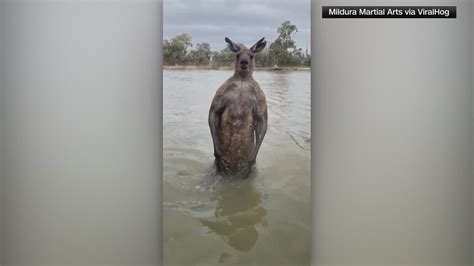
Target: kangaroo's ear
column 232, row 46
column 258, row 47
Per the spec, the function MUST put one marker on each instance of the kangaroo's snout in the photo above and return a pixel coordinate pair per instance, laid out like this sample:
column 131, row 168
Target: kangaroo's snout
column 244, row 64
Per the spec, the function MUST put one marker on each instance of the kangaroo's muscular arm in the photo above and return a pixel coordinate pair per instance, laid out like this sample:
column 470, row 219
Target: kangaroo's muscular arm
column 261, row 117
column 215, row 112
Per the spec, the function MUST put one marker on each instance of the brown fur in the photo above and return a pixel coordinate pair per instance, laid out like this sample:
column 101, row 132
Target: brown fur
column 238, row 115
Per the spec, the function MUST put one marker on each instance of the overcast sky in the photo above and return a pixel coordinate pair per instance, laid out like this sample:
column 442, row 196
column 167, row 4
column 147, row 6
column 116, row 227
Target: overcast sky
column 243, row 21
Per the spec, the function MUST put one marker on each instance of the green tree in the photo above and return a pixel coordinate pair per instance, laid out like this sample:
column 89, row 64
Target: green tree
column 201, row 55
column 176, row 49
column 284, row 34
column 263, row 58
column 223, row 57
column 282, row 50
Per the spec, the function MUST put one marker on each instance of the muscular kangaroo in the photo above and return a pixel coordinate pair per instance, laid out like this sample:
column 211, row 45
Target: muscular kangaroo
column 238, row 114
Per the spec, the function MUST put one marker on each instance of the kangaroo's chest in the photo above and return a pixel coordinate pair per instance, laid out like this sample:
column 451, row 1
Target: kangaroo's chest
column 240, row 95
column 240, row 103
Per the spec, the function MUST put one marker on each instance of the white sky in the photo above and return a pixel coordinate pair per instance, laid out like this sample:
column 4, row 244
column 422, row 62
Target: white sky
column 243, row 21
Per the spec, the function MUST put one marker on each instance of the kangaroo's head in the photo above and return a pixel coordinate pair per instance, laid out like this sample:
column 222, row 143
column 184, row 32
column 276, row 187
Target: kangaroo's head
column 244, row 57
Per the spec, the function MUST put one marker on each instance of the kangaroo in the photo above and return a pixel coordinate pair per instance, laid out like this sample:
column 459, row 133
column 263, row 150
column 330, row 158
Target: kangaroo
column 238, row 114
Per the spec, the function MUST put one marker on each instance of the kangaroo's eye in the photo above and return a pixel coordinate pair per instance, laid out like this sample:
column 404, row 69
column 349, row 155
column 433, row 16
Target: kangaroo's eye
column 251, row 57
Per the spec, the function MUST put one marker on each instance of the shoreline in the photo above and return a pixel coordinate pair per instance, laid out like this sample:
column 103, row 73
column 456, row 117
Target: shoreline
column 190, row 67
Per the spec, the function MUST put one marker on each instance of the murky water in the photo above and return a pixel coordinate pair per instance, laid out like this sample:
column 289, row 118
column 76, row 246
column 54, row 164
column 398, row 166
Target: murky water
column 264, row 220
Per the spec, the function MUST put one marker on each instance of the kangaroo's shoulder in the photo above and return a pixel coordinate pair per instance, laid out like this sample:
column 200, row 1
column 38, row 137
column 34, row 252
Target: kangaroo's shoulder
column 258, row 90
column 228, row 84
column 223, row 88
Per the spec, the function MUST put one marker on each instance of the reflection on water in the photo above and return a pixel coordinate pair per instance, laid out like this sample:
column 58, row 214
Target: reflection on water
column 237, row 213
column 208, row 219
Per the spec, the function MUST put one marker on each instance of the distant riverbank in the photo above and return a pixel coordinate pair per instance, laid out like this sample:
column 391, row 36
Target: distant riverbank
column 205, row 67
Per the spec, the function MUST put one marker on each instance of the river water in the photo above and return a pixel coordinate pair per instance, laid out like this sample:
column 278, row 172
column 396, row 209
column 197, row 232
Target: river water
column 263, row 220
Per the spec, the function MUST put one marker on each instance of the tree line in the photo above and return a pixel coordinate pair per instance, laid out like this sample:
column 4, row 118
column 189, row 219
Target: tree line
column 281, row 52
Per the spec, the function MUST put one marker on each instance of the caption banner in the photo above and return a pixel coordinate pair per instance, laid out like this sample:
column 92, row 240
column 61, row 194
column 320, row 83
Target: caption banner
column 389, row 11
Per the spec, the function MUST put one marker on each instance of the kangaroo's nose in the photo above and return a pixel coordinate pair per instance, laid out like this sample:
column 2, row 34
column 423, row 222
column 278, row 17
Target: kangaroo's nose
column 244, row 62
